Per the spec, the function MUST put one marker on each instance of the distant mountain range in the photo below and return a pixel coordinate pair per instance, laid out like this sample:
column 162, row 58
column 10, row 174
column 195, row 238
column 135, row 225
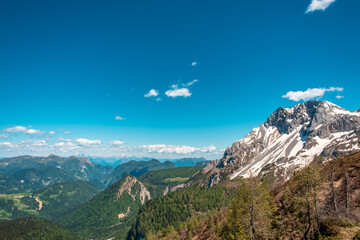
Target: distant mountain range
column 190, row 162
column 116, row 161
column 135, row 168
column 28, row 173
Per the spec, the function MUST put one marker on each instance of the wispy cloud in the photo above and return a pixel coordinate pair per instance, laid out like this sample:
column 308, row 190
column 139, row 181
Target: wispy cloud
column 6, row 144
column 176, row 149
column 116, row 143
column 194, row 63
column 87, row 142
column 319, row 5
column 152, row 93
column 190, row 83
column 15, row 129
column 84, row 146
column 339, row 97
column 34, row 131
column 310, row 93
column 119, row 118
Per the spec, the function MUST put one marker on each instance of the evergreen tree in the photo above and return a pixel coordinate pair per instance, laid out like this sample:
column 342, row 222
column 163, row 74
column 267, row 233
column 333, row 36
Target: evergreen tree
column 251, row 212
column 305, row 200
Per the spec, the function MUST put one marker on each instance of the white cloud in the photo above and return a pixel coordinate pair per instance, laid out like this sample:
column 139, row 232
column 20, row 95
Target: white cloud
column 178, row 92
column 152, row 93
column 119, row 118
column 23, row 129
column 319, row 5
column 310, row 93
column 67, row 132
column 64, row 139
column 59, row 144
column 87, row 142
column 66, row 146
column 210, row 148
column 4, row 135
column 159, row 99
column 34, row 131
column 82, row 146
column 190, row 83
column 194, row 63
column 51, row 132
column 32, row 143
column 6, row 144
column 15, row 129
column 116, row 143
column 339, row 97
column 176, row 149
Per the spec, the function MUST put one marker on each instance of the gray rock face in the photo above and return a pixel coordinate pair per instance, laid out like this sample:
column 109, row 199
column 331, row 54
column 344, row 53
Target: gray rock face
column 289, row 139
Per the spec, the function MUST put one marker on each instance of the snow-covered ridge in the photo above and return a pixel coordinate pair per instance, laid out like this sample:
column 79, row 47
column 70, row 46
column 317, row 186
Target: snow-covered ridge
column 291, row 137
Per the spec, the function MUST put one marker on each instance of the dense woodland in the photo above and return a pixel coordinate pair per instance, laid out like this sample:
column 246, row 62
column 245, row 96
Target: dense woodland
column 178, row 207
column 319, row 202
column 36, row 229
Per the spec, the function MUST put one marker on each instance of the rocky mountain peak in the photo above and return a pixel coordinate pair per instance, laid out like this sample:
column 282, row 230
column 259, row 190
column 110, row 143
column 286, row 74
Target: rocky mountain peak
column 289, row 139
column 311, row 113
column 128, row 186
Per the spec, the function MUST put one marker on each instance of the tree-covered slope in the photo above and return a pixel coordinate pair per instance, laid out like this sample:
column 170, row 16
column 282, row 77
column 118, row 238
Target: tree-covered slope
column 34, row 229
column 61, row 197
column 177, row 207
column 110, row 213
column 17, row 205
column 321, row 201
column 31, row 179
column 160, row 182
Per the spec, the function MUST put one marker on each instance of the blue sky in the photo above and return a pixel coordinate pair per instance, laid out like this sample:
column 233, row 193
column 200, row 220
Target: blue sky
column 217, row 68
